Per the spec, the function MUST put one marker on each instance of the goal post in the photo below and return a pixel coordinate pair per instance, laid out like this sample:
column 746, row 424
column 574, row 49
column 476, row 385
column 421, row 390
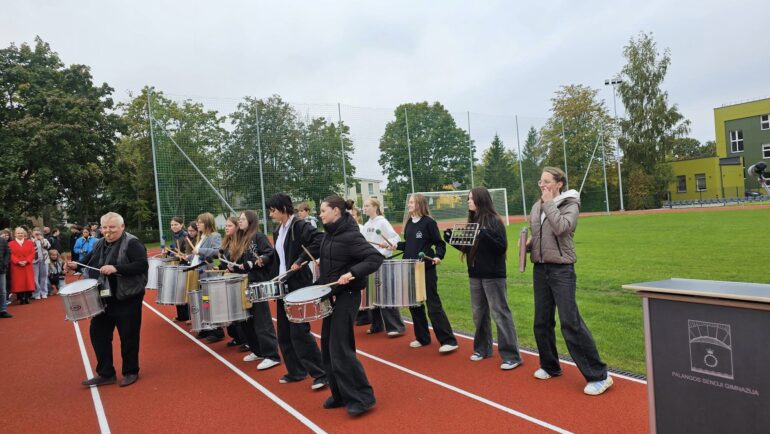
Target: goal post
column 452, row 205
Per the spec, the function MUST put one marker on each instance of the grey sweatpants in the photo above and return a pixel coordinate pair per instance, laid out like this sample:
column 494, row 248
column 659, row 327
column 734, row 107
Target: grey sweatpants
column 489, row 300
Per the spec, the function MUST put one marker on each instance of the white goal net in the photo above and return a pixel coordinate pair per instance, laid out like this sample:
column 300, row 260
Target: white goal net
column 452, row 206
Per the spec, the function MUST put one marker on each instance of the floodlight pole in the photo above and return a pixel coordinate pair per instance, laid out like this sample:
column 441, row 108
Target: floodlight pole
column 613, row 82
column 409, row 148
column 564, row 143
column 470, row 145
column 342, row 147
column 261, row 177
column 521, row 172
column 154, row 163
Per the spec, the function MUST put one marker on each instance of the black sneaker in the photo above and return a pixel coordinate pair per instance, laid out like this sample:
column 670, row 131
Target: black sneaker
column 233, row 343
column 356, row 409
column 289, row 379
column 332, row 403
column 319, row 383
column 98, row 381
column 5, row 315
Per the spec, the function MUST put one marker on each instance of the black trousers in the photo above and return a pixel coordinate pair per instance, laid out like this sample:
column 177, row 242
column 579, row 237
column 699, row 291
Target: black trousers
column 300, row 352
column 555, row 286
column 438, row 318
column 347, row 379
column 387, row 318
column 260, row 333
column 126, row 316
column 182, row 312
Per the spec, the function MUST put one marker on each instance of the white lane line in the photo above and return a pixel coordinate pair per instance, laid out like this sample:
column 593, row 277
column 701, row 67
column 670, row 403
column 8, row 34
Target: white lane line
column 283, row 404
column 100, row 415
column 461, row 391
column 532, row 353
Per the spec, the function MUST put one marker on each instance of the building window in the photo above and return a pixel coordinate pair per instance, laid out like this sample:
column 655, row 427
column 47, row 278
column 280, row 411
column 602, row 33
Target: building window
column 736, row 141
column 371, row 188
column 700, row 182
column 681, row 184
column 764, row 122
column 766, row 151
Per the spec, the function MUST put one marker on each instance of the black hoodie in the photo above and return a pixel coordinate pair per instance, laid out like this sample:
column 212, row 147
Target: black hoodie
column 344, row 249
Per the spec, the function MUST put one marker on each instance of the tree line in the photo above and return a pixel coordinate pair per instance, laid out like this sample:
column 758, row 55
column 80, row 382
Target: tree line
column 70, row 149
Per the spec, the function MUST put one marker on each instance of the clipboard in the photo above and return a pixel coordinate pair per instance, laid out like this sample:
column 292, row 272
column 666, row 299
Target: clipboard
column 523, row 249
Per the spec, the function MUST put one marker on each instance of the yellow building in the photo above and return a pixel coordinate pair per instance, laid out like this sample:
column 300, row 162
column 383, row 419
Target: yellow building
column 707, row 178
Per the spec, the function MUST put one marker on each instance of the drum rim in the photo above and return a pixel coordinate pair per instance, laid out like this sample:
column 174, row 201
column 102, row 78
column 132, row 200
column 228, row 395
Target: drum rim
column 78, row 286
column 325, row 291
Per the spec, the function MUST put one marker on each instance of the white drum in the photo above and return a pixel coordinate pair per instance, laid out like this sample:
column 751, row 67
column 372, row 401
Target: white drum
column 200, row 318
column 154, row 275
column 308, row 304
column 81, row 300
column 173, row 287
column 265, row 291
column 399, row 283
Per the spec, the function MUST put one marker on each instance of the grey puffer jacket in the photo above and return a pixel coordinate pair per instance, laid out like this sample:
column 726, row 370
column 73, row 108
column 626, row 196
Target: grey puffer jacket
column 552, row 232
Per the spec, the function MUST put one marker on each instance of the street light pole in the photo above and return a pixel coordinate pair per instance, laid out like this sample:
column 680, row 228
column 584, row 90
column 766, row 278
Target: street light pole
column 613, row 82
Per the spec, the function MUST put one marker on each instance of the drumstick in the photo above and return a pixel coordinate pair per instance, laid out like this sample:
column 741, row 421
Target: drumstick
column 308, row 252
column 190, row 243
column 215, row 271
column 379, row 232
column 422, row 255
column 86, row 266
column 278, row 277
column 337, row 283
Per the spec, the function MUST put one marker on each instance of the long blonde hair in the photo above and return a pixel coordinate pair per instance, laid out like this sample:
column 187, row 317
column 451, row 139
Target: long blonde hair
column 230, row 243
column 376, row 204
column 209, row 224
column 421, row 207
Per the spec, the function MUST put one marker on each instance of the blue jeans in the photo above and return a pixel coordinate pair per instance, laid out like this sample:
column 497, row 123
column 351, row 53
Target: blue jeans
column 3, row 298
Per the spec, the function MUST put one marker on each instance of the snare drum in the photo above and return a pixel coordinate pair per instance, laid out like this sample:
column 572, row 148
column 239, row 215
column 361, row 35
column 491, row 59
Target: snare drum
column 399, row 283
column 173, row 286
column 81, row 300
column 154, row 275
column 226, row 298
column 367, row 298
column 264, row 291
column 199, row 312
column 308, row 304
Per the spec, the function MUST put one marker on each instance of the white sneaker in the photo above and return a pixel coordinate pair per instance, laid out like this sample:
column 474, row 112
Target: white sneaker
column 251, row 357
column 510, row 364
column 540, row 374
column 37, row 297
column 45, row 296
column 394, row 334
column 446, row 348
column 598, row 387
column 475, row 357
column 267, row 364
column 415, row 344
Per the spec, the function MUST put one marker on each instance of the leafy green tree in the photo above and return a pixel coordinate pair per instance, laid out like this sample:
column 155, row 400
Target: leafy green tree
column 652, row 126
column 439, row 151
column 499, row 169
column 183, row 191
column 56, row 131
column 584, row 121
column 686, row 148
column 533, row 155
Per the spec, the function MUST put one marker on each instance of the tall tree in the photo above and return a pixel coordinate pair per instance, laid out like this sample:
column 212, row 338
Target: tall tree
column 532, row 155
column 439, row 150
column 56, row 131
column 652, row 125
column 686, row 148
column 499, row 169
column 581, row 120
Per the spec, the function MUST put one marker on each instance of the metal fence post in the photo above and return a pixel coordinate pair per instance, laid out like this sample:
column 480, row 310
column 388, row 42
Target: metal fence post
column 261, row 177
column 342, row 146
column 564, row 143
column 409, row 148
column 470, row 146
column 604, row 169
column 521, row 171
column 154, row 162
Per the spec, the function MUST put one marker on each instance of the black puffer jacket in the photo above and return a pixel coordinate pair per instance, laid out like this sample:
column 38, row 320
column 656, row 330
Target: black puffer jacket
column 344, row 249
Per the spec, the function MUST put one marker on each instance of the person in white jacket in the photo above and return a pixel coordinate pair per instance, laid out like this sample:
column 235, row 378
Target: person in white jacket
column 384, row 238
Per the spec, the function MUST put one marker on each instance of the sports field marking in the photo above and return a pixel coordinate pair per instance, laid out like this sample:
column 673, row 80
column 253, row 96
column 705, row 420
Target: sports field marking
column 532, row 353
column 460, row 391
column 98, row 407
column 283, row 404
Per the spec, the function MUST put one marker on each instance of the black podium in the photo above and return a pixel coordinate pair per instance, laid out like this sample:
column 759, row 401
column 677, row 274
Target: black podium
column 708, row 355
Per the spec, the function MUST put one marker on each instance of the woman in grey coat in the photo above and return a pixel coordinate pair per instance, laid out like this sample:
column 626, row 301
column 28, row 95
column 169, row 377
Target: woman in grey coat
column 207, row 246
column 553, row 221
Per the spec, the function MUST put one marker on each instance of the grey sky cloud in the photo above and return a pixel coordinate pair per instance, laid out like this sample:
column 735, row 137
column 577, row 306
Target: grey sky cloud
column 494, row 59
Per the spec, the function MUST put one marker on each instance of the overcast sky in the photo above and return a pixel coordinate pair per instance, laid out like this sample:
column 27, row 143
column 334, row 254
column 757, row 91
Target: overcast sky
column 494, row 59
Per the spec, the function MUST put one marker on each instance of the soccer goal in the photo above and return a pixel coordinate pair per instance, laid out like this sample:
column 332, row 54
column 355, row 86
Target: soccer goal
column 452, row 206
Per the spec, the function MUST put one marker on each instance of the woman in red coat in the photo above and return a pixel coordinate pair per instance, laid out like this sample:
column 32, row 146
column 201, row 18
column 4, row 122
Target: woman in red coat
column 22, row 275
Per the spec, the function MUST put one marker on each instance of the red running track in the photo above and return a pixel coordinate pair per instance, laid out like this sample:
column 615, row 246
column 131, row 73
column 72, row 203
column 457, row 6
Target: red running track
column 188, row 386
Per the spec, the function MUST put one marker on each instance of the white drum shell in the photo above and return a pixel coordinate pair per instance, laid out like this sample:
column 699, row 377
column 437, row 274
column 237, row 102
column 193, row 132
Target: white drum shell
column 81, row 300
column 154, row 277
column 265, row 291
column 199, row 312
column 367, row 298
column 308, row 304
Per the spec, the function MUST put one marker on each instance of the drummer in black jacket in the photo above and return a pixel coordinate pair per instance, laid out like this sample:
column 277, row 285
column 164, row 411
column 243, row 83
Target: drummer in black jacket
column 347, row 259
column 300, row 352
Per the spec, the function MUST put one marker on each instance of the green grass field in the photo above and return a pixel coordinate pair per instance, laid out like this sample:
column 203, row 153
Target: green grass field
column 620, row 249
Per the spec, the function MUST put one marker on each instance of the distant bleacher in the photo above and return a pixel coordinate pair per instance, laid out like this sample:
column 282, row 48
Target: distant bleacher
column 704, row 203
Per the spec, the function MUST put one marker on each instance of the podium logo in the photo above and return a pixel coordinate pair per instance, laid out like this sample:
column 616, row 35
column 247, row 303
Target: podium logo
column 711, row 348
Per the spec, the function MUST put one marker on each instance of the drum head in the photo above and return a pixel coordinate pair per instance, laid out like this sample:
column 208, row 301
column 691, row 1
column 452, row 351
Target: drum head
column 78, row 286
column 308, row 293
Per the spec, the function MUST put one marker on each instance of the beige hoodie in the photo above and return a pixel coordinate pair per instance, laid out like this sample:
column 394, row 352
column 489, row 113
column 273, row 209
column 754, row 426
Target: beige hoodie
column 553, row 225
